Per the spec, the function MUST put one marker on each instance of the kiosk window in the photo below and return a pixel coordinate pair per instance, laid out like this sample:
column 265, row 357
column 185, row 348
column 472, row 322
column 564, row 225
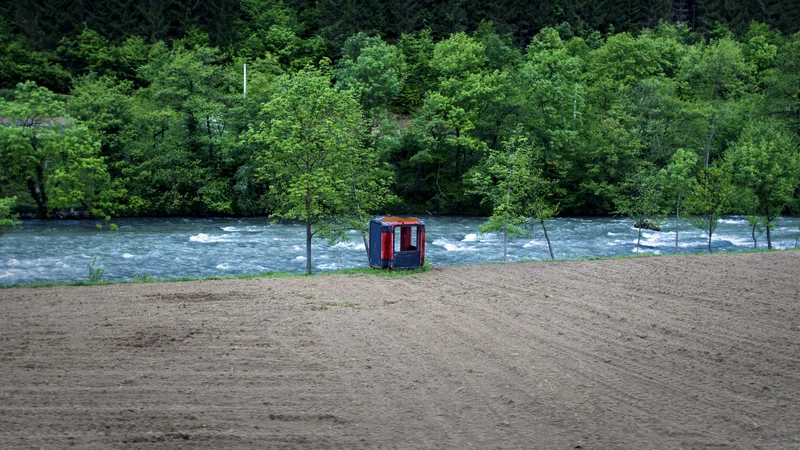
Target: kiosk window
column 405, row 238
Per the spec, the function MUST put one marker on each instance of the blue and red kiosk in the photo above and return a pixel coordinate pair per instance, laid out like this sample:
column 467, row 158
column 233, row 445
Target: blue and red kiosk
column 396, row 243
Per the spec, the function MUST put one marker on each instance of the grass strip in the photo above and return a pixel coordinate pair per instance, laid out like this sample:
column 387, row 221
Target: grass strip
column 273, row 274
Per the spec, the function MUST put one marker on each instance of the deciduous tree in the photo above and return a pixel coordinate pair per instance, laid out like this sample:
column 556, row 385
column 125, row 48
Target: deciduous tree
column 373, row 70
column 641, row 198
column 679, row 177
column 712, row 198
column 55, row 159
column 512, row 183
column 313, row 155
column 766, row 162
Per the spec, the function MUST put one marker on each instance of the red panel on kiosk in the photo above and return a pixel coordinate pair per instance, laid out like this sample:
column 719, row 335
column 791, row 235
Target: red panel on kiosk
column 421, row 246
column 405, row 238
column 386, row 246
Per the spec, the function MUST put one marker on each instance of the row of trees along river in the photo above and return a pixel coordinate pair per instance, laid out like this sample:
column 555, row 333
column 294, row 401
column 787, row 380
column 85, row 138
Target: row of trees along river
column 515, row 120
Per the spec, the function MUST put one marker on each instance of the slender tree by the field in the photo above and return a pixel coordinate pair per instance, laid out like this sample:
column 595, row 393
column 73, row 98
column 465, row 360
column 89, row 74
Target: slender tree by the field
column 755, row 228
column 679, row 180
column 551, row 103
column 641, row 199
column 766, row 165
column 313, row 155
column 501, row 180
column 513, row 184
column 712, row 198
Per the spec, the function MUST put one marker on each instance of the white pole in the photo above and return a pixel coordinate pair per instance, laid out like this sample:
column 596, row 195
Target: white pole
column 245, row 83
column 575, row 103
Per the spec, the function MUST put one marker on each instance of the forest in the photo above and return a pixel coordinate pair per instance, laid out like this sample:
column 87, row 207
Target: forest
column 329, row 111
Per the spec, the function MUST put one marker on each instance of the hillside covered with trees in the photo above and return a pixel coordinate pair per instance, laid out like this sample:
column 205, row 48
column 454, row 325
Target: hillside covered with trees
column 511, row 109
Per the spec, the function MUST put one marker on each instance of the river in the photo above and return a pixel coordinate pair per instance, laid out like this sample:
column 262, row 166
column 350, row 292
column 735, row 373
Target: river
column 60, row 250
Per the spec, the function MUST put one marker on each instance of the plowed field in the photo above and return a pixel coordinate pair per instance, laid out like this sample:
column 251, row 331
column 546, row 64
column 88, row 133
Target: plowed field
column 669, row 352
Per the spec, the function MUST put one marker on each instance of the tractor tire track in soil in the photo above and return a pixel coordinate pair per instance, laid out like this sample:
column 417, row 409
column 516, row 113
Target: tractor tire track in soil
column 669, row 352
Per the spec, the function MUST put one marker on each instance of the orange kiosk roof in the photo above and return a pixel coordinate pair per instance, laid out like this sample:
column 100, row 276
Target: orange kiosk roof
column 400, row 219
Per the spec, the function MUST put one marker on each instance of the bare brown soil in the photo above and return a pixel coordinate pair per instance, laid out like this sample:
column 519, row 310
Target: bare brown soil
column 670, row 352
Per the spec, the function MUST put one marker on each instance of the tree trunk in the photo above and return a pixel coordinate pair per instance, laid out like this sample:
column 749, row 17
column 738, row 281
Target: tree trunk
column 769, row 237
column 767, row 222
column 638, row 239
column 709, row 239
column 505, row 227
column 505, row 243
column 438, row 191
column 549, row 247
column 41, row 206
column 753, row 233
column 308, row 246
column 309, row 233
column 360, row 217
column 210, row 143
column 708, row 143
column 546, row 238
column 458, row 153
column 36, row 187
column 677, row 221
column 714, row 121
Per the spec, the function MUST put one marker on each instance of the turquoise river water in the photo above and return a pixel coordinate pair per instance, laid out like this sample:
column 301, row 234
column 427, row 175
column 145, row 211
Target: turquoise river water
column 60, row 250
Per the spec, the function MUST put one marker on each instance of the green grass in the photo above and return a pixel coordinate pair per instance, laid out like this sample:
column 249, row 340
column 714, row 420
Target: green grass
column 149, row 279
column 382, row 272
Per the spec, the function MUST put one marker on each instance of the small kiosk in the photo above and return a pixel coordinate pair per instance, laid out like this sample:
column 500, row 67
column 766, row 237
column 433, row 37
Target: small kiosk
column 396, row 243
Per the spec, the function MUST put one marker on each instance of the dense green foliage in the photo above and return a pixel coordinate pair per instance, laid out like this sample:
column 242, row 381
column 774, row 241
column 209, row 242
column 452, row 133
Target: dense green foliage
column 8, row 220
column 231, row 22
column 57, row 165
column 514, row 110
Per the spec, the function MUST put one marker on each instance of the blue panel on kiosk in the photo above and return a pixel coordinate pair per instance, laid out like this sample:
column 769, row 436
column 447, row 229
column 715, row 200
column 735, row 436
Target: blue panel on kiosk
column 375, row 244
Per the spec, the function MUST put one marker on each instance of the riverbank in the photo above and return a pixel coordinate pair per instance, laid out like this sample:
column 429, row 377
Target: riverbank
column 689, row 351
